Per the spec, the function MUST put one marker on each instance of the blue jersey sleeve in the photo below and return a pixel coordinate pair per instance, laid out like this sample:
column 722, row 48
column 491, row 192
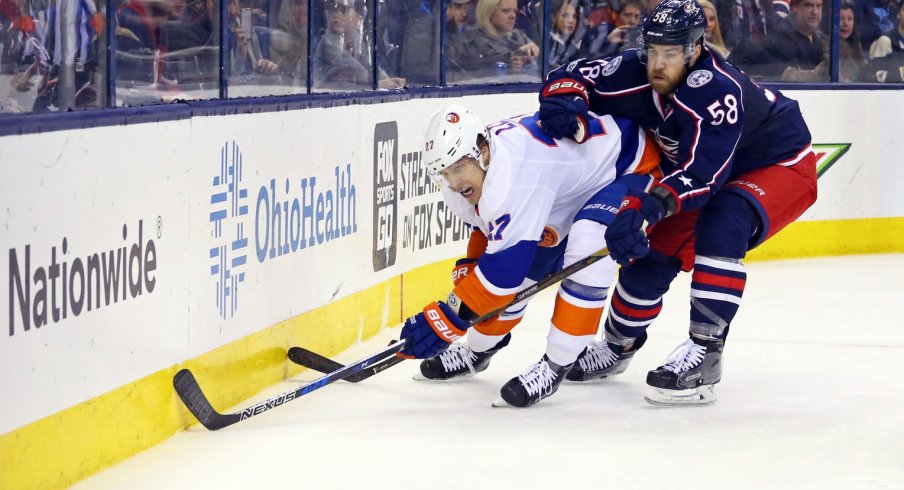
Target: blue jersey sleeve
column 711, row 116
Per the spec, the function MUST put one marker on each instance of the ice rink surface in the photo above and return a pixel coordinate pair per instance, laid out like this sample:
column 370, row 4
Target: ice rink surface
column 811, row 398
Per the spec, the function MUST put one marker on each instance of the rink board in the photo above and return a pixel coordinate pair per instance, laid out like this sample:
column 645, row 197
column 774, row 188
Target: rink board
column 216, row 243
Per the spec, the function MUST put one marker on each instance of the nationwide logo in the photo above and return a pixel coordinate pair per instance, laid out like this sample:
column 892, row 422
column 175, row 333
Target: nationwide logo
column 827, row 154
column 229, row 208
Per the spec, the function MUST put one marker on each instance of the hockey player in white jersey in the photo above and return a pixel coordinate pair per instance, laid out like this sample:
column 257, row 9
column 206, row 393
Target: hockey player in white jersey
column 535, row 204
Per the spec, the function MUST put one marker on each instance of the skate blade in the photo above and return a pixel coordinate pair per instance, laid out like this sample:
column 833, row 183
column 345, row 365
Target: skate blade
column 501, row 403
column 703, row 395
column 419, row 376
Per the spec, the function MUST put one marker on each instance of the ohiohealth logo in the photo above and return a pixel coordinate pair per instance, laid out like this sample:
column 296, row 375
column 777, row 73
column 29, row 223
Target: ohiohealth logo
column 228, row 208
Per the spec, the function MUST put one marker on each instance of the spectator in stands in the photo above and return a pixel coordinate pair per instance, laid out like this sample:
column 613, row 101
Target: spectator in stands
column 601, row 11
column 887, row 52
column 797, row 47
column 713, row 33
column 852, row 62
column 421, row 48
column 138, row 38
column 289, row 40
column 494, row 40
column 244, row 56
column 605, row 40
column 741, row 21
column 568, row 30
column 342, row 58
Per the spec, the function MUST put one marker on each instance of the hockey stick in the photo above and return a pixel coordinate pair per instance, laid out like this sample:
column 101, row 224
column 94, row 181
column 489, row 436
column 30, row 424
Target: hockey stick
column 313, row 360
column 189, row 391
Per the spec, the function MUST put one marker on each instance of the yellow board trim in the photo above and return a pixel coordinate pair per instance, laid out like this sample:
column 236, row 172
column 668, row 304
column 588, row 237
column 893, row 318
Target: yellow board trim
column 59, row 450
column 805, row 239
column 68, row 446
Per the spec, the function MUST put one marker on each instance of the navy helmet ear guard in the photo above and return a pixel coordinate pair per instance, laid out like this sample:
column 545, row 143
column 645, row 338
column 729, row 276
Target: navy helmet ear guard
column 674, row 22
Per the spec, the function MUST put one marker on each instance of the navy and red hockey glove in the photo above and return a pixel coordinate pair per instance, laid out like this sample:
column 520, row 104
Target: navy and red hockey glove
column 462, row 268
column 626, row 237
column 564, row 107
column 430, row 332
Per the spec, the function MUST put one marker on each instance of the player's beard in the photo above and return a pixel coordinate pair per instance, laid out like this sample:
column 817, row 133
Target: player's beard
column 668, row 82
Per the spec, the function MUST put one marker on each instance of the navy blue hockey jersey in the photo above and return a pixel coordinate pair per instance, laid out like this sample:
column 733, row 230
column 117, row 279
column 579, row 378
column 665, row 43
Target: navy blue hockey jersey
column 718, row 125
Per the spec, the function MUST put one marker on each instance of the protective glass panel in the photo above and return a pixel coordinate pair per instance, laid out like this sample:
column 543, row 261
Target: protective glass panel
column 268, row 47
column 408, row 47
column 51, row 55
column 499, row 42
column 343, row 52
column 166, row 50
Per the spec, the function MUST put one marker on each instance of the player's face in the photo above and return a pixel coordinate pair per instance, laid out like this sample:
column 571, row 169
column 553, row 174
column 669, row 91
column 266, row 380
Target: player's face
column 466, row 178
column 666, row 67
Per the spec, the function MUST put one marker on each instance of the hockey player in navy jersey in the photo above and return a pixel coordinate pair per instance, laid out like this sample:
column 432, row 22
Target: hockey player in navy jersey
column 738, row 168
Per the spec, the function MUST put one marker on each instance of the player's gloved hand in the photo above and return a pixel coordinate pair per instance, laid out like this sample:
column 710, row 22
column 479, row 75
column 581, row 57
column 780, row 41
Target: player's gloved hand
column 430, row 332
column 462, row 268
column 564, row 110
column 626, row 237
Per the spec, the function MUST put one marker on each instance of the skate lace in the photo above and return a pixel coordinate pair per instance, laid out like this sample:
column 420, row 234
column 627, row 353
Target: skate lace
column 686, row 356
column 599, row 356
column 538, row 378
column 458, row 356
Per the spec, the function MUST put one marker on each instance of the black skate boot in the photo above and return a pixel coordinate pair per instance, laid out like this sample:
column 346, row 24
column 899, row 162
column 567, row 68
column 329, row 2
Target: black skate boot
column 603, row 359
column 688, row 375
column 539, row 381
column 459, row 361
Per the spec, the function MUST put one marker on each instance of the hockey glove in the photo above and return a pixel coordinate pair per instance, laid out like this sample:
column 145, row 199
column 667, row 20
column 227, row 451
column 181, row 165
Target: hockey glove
column 462, row 268
column 626, row 237
column 430, row 332
column 564, row 110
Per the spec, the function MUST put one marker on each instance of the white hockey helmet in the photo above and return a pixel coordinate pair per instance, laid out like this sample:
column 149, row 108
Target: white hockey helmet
column 451, row 135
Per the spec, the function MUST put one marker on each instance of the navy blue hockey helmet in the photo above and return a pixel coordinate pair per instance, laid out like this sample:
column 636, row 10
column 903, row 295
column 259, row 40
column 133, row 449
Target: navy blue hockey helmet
column 676, row 22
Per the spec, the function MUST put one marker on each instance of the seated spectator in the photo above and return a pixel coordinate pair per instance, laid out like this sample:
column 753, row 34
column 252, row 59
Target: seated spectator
column 797, row 47
column 342, row 58
column 852, row 62
column 601, row 11
column 421, row 48
column 606, row 40
column 713, row 34
column 887, row 52
column 289, row 40
column 138, row 36
column 741, row 21
column 192, row 45
column 493, row 40
column 568, row 29
column 245, row 56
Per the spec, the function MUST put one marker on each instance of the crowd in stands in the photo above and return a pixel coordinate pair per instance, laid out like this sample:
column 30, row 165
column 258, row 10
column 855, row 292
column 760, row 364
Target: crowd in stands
column 173, row 46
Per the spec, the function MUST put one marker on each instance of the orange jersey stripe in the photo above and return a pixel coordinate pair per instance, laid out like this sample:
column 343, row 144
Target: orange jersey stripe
column 478, row 298
column 477, row 244
column 495, row 326
column 575, row 320
column 649, row 160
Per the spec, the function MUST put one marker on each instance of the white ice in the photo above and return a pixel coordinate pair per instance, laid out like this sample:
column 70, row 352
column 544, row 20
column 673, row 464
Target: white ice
column 811, row 398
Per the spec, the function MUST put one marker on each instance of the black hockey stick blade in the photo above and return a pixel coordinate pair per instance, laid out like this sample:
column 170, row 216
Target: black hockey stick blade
column 190, row 392
column 313, row 360
column 323, row 364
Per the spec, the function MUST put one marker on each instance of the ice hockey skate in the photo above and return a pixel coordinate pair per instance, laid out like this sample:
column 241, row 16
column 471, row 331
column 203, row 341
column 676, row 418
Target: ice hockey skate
column 458, row 362
column 688, row 375
column 536, row 383
column 603, row 359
